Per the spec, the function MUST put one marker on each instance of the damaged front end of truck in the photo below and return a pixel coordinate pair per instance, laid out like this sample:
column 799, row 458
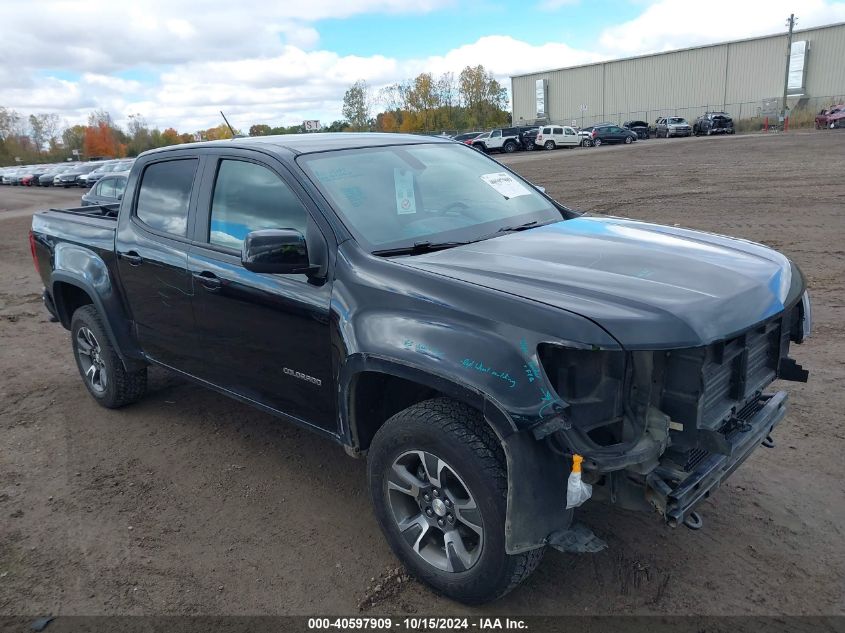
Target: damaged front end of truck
column 662, row 429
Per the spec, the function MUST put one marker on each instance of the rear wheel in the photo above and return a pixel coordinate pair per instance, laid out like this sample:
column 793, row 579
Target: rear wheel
column 438, row 483
column 510, row 147
column 101, row 369
column 597, row 142
column 549, row 144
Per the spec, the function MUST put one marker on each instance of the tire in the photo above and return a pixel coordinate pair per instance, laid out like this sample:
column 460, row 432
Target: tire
column 549, row 145
column 446, row 434
column 628, row 140
column 103, row 373
column 509, row 147
column 597, row 142
column 586, row 143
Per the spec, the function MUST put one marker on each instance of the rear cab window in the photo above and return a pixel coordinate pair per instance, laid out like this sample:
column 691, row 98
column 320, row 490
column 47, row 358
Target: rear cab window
column 164, row 195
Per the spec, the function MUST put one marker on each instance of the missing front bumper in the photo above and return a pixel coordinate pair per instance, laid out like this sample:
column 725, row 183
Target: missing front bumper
column 676, row 495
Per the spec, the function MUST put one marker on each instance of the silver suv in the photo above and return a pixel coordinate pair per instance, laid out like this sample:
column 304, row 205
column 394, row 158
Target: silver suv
column 672, row 126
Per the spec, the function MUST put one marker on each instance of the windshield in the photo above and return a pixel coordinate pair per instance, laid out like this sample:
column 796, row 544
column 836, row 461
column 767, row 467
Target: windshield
column 675, row 119
column 398, row 196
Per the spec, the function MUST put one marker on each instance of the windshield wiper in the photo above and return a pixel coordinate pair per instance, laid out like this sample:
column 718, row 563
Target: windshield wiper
column 518, row 227
column 418, row 248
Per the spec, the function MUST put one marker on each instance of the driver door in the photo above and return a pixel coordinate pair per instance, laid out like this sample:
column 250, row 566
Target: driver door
column 264, row 337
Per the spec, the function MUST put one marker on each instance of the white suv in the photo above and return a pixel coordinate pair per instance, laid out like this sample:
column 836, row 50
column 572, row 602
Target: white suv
column 499, row 140
column 553, row 136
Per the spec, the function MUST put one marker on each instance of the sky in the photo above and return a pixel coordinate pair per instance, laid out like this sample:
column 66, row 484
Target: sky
column 279, row 62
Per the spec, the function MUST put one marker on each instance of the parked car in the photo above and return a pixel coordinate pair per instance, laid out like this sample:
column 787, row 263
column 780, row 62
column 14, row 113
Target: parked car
column 70, row 177
column 831, row 117
column 499, row 140
column 638, row 127
column 602, row 134
column 672, row 126
column 554, row 136
column 46, row 179
column 104, row 168
column 107, row 190
column 14, row 177
column 466, row 138
column 713, row 123
column 480, row 343
column 529, row 139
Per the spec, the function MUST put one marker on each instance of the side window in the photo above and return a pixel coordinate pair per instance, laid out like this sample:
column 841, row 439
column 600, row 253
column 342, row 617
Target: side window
column 249, row 197
column 569, row 131
column 558, row 130
column 164, row 195
column 547, row 130
column 496, row 133
column 106, row 188
column 119, row 186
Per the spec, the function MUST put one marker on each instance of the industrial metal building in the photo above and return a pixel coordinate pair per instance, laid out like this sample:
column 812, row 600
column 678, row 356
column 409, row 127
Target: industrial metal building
column 744, row 78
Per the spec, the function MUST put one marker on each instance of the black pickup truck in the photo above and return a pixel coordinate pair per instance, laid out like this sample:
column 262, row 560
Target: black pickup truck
column 418, row 303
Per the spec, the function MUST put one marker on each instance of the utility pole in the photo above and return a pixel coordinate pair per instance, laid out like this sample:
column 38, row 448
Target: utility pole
column 791, row 24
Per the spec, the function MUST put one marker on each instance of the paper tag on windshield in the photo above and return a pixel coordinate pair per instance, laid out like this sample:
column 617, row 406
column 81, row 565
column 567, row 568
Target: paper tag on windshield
column 505, row 184
column 403, row 181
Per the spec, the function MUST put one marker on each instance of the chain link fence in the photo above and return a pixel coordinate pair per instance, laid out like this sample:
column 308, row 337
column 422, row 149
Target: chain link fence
column 746, row 115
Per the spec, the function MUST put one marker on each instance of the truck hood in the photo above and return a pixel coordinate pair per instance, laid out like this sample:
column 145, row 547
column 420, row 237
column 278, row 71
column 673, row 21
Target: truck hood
column 648, row 286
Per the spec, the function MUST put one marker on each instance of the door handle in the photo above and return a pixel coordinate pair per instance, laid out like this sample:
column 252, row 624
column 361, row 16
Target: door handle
column 208, row 280
column 133, row 258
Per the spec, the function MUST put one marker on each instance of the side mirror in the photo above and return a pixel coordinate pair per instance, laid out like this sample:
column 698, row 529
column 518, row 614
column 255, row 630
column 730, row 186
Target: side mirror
column 120, row 196
column 276, row 251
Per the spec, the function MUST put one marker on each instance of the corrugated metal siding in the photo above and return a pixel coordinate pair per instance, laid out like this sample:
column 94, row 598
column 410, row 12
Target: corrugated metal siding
column 826, row 65
column 686, row 82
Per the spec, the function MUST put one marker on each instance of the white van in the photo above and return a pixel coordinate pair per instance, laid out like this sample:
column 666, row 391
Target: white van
column 554, row 136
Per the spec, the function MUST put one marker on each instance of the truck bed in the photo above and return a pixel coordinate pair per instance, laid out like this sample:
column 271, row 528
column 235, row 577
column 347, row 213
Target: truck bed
column 92, row 211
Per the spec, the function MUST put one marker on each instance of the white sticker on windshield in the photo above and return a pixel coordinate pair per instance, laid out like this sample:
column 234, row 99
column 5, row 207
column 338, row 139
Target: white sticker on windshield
column 403, row 181
column 505, row 184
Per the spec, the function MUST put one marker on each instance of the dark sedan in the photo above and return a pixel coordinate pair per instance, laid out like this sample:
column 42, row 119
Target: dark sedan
column 602, row 134
column 70, row 178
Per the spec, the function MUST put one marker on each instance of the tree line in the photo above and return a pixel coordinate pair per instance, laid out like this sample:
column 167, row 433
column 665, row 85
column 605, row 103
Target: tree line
column 472, row 100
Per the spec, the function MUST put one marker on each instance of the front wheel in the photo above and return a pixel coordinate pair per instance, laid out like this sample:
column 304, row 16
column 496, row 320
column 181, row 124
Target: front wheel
column 438, row 482
column 628, row 140
column 100, row 367
column 586, row 143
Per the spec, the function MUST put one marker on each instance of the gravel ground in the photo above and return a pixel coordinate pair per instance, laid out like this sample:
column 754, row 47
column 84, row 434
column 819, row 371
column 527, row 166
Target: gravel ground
column 190, row 503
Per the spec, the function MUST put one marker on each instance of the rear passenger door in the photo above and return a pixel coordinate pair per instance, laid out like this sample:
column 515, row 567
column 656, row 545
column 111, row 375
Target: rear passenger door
column 152, row 252
column 264, row 337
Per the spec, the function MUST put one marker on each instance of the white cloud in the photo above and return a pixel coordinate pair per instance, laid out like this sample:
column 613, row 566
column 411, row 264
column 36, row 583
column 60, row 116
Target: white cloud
column 669, row 24
column 267, row 66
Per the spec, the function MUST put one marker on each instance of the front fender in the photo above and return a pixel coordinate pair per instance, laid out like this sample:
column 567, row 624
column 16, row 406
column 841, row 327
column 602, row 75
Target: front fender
column 536, row 502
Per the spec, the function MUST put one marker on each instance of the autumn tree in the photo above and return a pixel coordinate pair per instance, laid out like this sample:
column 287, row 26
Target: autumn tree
column 260, row 129
column 170, row 137
column 356, row 106
column 484, row 98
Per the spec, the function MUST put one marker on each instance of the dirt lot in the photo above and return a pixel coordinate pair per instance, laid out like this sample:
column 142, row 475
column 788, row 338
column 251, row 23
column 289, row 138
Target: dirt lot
column 190, row 503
